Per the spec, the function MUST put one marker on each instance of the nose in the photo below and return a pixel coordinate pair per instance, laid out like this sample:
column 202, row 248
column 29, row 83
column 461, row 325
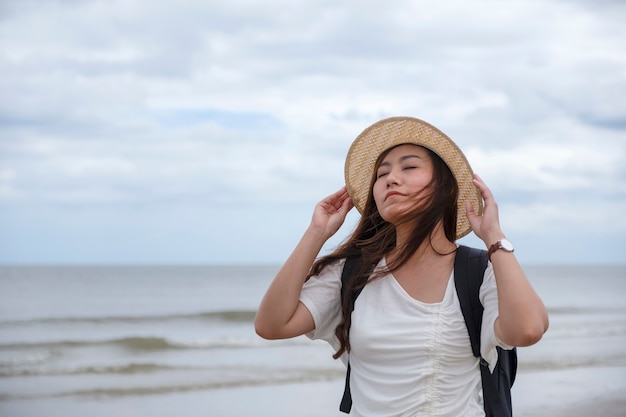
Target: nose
column 391, row 178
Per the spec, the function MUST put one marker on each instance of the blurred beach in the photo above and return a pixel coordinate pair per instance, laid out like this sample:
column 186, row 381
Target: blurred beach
column 133, row 341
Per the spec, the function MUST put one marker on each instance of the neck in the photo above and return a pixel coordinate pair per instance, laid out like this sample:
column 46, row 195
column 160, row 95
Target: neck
column 437, row 245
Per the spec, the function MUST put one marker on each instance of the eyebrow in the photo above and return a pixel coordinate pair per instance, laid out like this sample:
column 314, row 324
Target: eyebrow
column 402, row 159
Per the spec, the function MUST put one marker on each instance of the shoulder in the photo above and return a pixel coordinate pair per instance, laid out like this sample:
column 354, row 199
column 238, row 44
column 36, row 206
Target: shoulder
column 489, row 289
column 330, row 275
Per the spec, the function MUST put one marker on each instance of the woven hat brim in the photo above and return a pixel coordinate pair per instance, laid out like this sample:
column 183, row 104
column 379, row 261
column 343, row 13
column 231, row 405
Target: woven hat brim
column 386, row 134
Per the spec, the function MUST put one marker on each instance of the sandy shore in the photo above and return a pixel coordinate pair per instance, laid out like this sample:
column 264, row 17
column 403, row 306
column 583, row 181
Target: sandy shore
column 611, row 407
column 574, row 392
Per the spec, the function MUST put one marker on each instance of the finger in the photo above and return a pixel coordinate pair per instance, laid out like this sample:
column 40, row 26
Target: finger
column 338, row 200
column 474, row 219
column 341, row 192
column 482, row 187
column 472, row 216
column 347, row 205
column 337, row 195
column 469, row 209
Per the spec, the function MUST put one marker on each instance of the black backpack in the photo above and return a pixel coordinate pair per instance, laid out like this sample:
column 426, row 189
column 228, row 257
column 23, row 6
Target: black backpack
column 469, row 269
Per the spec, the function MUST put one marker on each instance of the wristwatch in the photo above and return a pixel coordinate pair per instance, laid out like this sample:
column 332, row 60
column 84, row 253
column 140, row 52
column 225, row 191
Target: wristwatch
column 500, row 244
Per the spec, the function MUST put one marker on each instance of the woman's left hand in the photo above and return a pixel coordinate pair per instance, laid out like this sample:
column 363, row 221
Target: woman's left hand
column 487, row 226
column 522, row 316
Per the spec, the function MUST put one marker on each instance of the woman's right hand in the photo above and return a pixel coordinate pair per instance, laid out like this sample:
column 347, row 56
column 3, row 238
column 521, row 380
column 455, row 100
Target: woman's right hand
column 331, row 212
column 281, row 315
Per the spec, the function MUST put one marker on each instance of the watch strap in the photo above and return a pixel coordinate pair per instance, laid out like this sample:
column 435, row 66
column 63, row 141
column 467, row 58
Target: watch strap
column 496, row 246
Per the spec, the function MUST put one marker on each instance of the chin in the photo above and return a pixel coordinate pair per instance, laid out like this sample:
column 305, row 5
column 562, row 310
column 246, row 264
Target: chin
column 396, row 216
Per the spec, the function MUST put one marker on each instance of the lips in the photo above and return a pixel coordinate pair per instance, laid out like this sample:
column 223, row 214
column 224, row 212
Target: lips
column 391, row 194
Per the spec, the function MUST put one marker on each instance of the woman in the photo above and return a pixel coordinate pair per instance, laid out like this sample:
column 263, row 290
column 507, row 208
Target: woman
column 407, row 342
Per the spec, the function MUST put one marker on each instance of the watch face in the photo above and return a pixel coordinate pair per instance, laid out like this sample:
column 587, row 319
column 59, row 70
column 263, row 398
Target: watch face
column 506, row 245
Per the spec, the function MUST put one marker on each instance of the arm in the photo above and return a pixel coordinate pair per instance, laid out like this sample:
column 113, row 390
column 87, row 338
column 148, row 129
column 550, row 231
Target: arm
column 281, row 315
column 522, row 318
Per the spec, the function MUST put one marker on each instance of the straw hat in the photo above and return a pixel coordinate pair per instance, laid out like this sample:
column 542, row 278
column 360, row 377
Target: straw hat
column 386, row 134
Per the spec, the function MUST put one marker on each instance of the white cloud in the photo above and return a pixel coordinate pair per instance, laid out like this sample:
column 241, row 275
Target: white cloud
column 246, row 102
column 551, row 218
column 546, row 167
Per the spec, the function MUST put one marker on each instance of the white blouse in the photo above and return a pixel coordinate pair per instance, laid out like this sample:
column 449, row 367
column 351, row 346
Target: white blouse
column 408, row 358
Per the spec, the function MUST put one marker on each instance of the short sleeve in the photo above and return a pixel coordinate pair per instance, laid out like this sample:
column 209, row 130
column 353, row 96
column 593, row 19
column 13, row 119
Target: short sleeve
column 489, row 300
column 321, row 295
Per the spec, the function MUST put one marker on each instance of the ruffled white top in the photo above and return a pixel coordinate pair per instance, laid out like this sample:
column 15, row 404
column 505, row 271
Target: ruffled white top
column 408, row 358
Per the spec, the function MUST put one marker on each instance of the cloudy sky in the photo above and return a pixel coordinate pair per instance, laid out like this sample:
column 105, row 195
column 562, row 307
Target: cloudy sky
column 195, row 131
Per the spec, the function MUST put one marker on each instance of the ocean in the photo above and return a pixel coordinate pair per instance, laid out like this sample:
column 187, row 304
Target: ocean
column 131, row 341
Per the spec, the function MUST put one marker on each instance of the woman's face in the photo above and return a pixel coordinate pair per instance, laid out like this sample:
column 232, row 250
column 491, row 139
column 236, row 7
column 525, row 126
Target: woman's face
column 401, row 181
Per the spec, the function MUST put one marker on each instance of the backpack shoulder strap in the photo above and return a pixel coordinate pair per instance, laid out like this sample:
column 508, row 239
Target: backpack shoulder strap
column 349, row 269
column 469, row 270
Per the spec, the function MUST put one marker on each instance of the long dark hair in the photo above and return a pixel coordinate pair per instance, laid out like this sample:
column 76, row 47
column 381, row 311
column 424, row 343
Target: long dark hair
column 374, row 238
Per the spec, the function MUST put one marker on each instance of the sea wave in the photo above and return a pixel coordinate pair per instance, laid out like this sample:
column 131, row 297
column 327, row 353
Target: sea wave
column 258, row 377
column 124, row 369
column 589, row 311
column 156, row 343
column 573, row 362
column 233, row 316
column 27, row 358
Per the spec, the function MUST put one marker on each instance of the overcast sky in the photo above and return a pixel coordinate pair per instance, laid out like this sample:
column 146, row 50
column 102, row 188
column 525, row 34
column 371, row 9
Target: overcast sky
column 204, row 131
